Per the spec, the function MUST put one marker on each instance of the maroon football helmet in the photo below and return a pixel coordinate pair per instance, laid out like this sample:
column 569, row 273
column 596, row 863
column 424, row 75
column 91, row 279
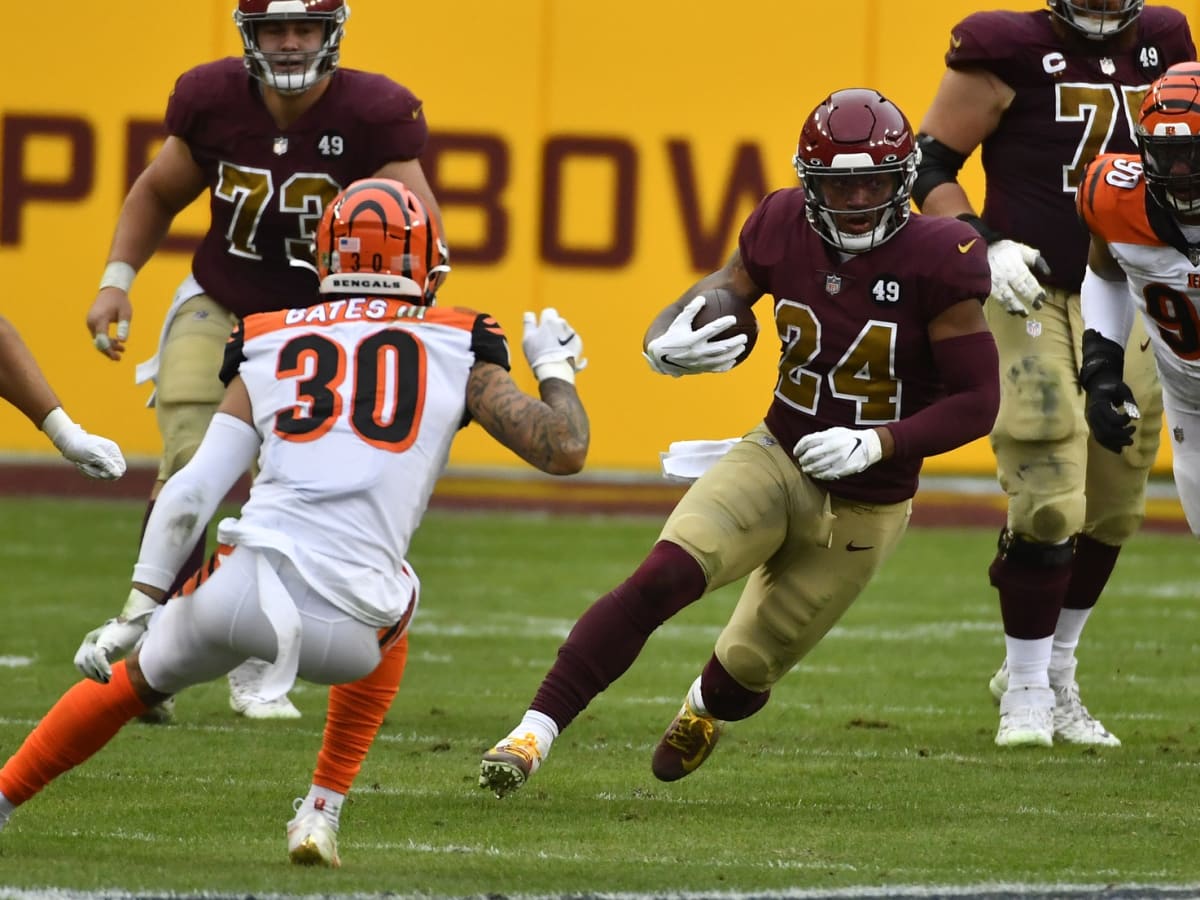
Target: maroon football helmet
column 332, row 14
column 857, row 160
column 1097, row 20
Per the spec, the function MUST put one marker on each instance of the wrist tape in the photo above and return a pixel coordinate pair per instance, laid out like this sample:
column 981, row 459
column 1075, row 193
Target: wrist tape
column 119, row 275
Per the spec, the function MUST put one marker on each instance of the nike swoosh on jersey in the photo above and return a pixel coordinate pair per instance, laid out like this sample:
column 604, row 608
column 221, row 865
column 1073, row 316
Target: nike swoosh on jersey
column 955, row 41
column 1144, row 345
column 963, row 248
column 854, row 548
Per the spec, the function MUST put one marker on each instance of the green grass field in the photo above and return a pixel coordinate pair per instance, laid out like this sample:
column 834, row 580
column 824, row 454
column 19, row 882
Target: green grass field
column 873, row 765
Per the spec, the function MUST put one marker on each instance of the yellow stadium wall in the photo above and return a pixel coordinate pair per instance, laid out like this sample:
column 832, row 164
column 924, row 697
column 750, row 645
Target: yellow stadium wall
column 597, row 158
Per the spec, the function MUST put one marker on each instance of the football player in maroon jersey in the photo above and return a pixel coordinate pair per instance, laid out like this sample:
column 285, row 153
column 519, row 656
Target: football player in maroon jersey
column 1042, row 93
column 885, row 359
column 23, row 384
column 272, row 136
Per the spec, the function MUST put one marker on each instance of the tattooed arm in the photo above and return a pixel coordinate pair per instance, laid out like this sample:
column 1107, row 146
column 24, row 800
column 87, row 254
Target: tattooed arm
column 551, row 434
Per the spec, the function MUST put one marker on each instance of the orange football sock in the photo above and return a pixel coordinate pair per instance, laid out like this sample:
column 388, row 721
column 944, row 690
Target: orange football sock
column 356, row 711
column 83, row 720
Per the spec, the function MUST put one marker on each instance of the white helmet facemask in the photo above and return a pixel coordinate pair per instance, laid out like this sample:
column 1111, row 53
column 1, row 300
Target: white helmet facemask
column 297, row 70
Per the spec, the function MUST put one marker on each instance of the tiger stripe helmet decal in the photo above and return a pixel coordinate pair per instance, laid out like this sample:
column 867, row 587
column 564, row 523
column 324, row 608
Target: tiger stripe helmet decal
column 1168, row 134
column 377, row 238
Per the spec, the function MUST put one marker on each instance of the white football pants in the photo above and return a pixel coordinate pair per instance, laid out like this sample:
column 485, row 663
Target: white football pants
column 205, row 634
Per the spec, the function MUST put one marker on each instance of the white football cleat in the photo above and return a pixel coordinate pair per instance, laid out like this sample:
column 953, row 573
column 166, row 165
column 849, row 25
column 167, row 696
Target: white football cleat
column 253, row 708
column 1026, row 718
column 162, row 714
column 244, row 682
column 999, row 683
column 1074, row 724
column 312, row 837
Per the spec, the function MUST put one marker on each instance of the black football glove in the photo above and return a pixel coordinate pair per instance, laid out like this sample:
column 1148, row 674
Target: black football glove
column 1110, row 407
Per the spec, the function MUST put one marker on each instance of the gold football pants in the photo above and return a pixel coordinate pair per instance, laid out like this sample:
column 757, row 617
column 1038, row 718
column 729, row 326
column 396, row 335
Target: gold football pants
column 188, row 388
column 808, row 554
column 1059, row 481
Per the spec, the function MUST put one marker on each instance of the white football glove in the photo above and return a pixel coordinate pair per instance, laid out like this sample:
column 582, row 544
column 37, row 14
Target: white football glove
column 115, row 638
column 681, row 351
column 94, row 456
column 837, row 452
column 1013, row 282
column 552, row 347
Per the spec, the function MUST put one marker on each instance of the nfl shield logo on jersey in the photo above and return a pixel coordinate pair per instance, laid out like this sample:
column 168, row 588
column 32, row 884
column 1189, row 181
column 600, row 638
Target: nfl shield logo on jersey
column 280, row 146
column 833, row 284
column 1107, row 66
column 1177, row 433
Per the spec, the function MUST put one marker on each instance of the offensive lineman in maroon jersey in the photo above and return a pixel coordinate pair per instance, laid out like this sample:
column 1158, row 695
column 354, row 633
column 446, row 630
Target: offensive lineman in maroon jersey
column 272, row 136
column 1043, row 93
column 885, row 359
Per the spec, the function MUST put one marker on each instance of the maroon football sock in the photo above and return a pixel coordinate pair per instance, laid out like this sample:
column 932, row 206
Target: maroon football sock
column 724, row 698
column 1090, row 570
column 190, row 565
column 610, row 634
column 1030, row 596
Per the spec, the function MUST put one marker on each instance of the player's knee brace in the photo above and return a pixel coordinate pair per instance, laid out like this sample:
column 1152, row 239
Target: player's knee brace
column 1032, row 554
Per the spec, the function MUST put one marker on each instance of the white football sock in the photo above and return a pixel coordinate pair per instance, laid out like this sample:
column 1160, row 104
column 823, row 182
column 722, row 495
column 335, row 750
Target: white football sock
column 1028, row 662
column 1066, row 636
column 543, row 728
column 695, row 698
column 333, row 803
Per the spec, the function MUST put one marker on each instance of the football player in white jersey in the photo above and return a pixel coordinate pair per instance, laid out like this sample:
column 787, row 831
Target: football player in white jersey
column 1144, row 215
column 349, row 408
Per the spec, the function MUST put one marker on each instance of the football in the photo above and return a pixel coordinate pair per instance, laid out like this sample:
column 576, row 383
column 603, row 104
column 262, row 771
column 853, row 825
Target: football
column 720, row 302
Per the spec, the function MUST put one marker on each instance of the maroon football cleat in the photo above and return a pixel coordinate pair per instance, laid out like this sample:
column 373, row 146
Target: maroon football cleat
column 688, row 741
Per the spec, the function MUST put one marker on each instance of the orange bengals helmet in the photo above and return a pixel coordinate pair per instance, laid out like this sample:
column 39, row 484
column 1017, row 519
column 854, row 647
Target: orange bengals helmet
column 1168, row 133
column 377, row 238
